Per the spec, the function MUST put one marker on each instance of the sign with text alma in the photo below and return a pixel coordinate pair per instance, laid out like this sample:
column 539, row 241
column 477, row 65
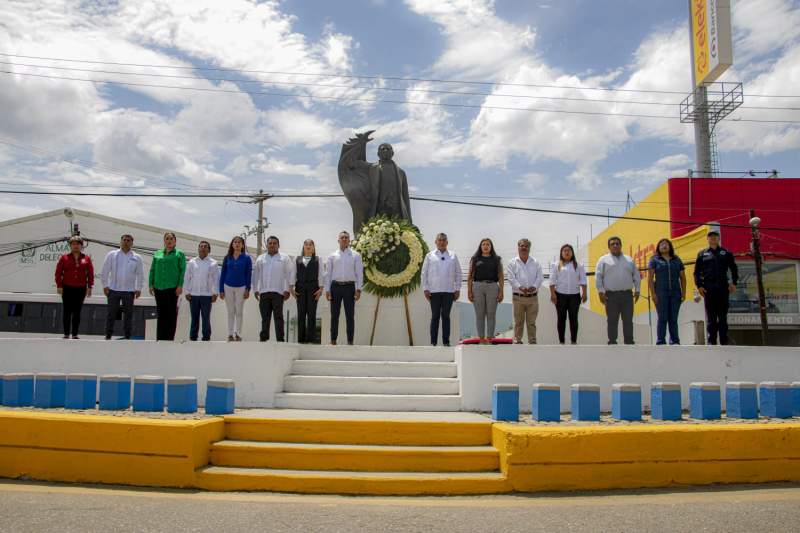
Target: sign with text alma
column 712, row 45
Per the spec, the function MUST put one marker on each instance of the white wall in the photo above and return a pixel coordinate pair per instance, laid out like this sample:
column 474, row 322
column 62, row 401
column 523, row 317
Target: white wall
column 480, row 367
column 257, row 368
column 391, row 328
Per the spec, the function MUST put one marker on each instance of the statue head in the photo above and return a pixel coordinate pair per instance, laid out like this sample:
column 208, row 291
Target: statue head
column 385, row 152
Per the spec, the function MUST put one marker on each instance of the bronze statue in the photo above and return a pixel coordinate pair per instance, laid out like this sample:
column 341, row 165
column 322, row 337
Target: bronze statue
column 372, row 188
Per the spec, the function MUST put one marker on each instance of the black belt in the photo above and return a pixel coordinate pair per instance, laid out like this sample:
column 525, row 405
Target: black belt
column 343, row 283
column 523, row 295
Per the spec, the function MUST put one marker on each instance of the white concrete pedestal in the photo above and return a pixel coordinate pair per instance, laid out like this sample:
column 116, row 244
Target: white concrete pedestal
column 391, row 327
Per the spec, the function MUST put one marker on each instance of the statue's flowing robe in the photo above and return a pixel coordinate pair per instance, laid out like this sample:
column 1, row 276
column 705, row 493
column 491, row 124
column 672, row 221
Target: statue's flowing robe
column 372, row 188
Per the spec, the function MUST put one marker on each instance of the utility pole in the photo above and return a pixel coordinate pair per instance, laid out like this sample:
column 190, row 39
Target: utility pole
column 762, row 300
column 262, row 223
column 260, row 226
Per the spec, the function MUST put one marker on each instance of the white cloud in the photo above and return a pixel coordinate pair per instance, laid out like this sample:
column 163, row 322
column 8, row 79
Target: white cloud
column 663, row 168
column 289, row 127
column 763, row 26
column 532, row 180
column 426, row 136
column 479, row 44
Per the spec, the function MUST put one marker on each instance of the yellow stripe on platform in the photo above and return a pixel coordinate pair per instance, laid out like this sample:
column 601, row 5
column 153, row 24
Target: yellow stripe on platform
column 378, row 432
column 623, row 457
column 297, row 456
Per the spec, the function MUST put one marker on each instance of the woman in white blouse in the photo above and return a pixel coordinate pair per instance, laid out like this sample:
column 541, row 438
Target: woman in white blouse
column 567, row 291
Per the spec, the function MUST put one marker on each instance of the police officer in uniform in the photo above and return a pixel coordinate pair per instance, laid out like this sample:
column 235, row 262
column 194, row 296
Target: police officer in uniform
column 711, row 278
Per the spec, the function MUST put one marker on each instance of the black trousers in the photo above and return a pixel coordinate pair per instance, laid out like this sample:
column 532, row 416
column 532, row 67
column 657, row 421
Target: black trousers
column 441, row 304
column 306, row 315
column 269, row 304
column 567, row 305
column 167, row 314
column 343, row 294
column 115, row 298
column 619, row 304
column 72, row 299
column 716, row 302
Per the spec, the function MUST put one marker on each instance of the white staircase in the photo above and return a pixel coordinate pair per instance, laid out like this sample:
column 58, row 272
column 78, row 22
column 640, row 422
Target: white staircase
column 372, row 378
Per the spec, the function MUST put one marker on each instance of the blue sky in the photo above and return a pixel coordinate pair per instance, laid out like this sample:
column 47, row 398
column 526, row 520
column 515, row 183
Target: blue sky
column 192, row 140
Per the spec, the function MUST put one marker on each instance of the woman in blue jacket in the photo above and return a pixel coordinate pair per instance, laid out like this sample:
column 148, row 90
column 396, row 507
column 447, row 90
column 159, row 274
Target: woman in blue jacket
column 667, row 283
column 234, row 285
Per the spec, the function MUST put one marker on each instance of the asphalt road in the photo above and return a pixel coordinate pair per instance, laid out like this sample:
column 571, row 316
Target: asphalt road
column 28, row 506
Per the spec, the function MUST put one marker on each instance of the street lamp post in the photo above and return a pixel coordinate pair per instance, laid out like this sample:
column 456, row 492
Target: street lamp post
column 762, row 300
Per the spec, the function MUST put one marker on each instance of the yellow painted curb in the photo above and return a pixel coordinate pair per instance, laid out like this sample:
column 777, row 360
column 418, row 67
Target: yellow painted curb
column 366, row 483
column 105, row 449
column 377, row 432
column 622, row 457
column 355, row 457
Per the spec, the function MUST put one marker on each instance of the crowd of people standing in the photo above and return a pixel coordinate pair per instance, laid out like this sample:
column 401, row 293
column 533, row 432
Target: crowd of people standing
column 274, row 277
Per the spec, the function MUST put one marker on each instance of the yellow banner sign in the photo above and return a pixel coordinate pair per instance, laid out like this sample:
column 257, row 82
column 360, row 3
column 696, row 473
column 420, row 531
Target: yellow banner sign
column 712, row 45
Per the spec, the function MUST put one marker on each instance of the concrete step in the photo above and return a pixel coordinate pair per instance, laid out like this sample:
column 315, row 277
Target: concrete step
column 378, row 353
column 368, row 402
column 363, row 431
column 374, row 369
column 303, row 456
column 370, row 385
column 222, row 478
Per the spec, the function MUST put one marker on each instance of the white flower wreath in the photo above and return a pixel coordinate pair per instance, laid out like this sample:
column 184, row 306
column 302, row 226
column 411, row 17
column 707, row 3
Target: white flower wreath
column 405, row 276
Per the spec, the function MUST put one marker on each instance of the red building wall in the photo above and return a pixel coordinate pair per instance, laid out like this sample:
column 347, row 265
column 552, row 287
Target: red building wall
column 729, row 200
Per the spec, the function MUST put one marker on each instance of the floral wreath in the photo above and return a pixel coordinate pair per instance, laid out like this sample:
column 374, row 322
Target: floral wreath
column 392, row 251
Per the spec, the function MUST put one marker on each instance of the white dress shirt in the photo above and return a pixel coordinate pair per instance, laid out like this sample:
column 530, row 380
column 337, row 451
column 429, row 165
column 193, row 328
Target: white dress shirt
column 617, row 273
column 202, row 277
column 122, row 272
column 524, row 275
column 441, row 272
column 344, row 266
column 273, row 273
column 567, row 279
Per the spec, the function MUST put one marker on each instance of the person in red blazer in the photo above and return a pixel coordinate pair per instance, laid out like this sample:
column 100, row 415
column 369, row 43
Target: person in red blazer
column 74, row 279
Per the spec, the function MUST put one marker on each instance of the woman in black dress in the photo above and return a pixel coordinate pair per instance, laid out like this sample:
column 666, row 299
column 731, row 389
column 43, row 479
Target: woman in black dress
column 307, row 288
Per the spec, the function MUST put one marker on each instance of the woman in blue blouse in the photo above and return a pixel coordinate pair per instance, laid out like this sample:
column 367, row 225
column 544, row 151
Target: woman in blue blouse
column 667, row 282
column 234, row 285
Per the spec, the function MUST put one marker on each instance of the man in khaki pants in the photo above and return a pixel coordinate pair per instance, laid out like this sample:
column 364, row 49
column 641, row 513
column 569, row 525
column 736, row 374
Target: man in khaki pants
column 524, row 274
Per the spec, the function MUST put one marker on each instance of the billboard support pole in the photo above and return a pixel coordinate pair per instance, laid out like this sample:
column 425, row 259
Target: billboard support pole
column 702, row 133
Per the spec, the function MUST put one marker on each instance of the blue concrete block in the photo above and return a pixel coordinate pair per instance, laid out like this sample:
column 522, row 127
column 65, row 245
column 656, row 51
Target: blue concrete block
column 626, row 401
column 705, row 401
column 148, row 393
column 546, row 402
column 18, row 390
column 585, row 401
column 182, row 395
column 115, row 392
column 775, row 399
column 796, row 398
column 741, row 400
column 665, row 401
column 81, row 391
column 505, row 402
column 49, row 390
column 220, row 396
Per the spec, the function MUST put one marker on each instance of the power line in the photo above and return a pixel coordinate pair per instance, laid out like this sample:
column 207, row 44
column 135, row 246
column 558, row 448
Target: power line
column 374, row 77
column 374, row 100
column 337, row 98
column 598, row 215
column 378, row 88
column 417, row 198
